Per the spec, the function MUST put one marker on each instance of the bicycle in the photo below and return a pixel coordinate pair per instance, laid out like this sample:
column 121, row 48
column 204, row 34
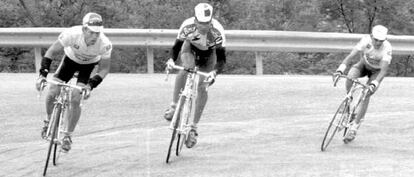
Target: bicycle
column 185, row 108
column 55, row 126
column 343, row 116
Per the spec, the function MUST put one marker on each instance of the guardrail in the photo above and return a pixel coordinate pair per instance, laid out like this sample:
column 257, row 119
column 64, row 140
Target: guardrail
column 237, row 40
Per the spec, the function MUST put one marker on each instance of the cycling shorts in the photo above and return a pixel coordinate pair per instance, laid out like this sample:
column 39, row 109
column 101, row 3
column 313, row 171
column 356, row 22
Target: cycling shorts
column 68, row 67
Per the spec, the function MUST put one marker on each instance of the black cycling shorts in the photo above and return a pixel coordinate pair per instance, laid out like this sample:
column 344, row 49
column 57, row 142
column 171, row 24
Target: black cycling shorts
column 68, row 67
column 364, row 70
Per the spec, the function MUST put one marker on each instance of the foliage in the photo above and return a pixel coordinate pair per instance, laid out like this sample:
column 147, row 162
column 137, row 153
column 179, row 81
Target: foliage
column 357, row 16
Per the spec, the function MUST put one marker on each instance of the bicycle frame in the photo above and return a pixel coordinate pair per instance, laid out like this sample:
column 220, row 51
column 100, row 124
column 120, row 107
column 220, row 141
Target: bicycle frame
column 54, row 129
column 185, row 110
column 353, row 103
column 343, row 117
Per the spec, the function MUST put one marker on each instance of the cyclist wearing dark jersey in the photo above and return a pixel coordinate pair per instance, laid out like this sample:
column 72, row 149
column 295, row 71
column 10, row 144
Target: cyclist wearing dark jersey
column 200, row 42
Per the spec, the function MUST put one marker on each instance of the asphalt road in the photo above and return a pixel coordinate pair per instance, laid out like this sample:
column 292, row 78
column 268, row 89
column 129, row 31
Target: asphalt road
column 252, row 126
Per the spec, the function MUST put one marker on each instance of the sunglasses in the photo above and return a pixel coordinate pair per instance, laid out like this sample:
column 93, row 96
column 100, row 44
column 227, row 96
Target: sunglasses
column 95, row 23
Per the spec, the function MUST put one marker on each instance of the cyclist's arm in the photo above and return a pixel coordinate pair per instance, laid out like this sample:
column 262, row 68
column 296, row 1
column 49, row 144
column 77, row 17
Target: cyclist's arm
column 347, row 60
column 47, row 58
column 175, row 50
column 103, row 70
column 103, row 67
column 221, row 58
column 384, row 69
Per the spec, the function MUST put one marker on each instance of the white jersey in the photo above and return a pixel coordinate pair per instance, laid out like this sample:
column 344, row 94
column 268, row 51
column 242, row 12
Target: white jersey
column 75, row 48
column 371, row 56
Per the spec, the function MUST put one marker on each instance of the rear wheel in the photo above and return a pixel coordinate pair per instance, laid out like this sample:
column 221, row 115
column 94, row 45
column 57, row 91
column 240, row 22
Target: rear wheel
column 54, row 126
column 336, row 124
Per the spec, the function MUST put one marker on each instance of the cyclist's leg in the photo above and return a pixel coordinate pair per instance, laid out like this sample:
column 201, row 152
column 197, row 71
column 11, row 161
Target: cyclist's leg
column 364, row 107
column 74, row 111
column 354, row 73
column 62, row 74
column 187, row 59
column 206, row 63
column 358, row 70
column 202, row 96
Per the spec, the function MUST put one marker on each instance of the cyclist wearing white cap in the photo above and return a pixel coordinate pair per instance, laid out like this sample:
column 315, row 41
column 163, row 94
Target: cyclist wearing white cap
column 375, row 53
column 201, row 42
column 84, row 47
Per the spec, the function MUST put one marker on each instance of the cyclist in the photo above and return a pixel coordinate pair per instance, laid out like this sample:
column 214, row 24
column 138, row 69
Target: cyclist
column 84, row 47
column 375, row 53
column 201, row 42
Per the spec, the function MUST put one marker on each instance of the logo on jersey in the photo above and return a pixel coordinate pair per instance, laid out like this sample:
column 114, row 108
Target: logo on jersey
column 188, row 30
column 372, row 60
column 369, row 46
column 76, row 46
column 207, row 13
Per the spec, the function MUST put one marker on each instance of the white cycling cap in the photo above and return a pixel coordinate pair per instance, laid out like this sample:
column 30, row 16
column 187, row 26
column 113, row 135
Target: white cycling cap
column 93, row 21
column 379, row 32
column 203, row 12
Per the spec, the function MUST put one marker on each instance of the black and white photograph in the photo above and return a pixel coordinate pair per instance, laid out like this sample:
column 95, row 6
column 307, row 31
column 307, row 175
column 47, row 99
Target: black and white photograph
column 202, row 88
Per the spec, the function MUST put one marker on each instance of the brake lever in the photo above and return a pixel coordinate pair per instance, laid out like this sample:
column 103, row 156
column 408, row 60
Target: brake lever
column 42, row 87
column 336, row 79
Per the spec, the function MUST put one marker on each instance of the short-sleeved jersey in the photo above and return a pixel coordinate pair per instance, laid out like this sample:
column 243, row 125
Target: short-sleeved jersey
column 214, row 37
column 72, row 39
column 371, row 56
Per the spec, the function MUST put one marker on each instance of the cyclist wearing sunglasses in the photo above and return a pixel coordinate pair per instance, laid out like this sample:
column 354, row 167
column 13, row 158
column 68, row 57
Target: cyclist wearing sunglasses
column 375, row 53
column 84, row 47
column 201, row 42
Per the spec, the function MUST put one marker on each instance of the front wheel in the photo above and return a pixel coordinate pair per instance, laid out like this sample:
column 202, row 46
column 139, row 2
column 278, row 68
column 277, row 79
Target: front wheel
column 336, row 124
column 185, row 116
column 175, row 126
column 54, row 128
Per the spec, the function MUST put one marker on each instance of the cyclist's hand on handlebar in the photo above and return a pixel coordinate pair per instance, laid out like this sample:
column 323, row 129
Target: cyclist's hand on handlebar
column 211, row 77
column 373, row 86
column 40, row 83
column 170, row 63
column 336, row 75
column 86, row 91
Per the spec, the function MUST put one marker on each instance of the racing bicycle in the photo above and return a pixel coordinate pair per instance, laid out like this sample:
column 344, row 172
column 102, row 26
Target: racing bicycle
column 185, row 109
column 344, row 114
column 56, row 123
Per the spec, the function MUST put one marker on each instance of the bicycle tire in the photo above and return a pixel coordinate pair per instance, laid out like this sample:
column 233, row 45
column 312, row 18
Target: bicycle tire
column 339, row 116
column 56, row 153
column 185, row 116
column 54, row 124
column 174, row 132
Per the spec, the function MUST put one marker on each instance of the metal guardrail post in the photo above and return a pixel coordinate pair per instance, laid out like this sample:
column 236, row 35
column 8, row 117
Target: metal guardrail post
column 150, row 60
column 259, row 63
column 38, row 58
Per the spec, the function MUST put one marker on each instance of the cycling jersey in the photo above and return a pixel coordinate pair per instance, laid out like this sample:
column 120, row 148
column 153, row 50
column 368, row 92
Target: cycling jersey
column 372, row 57
column 75, row 48
column 214, row 36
